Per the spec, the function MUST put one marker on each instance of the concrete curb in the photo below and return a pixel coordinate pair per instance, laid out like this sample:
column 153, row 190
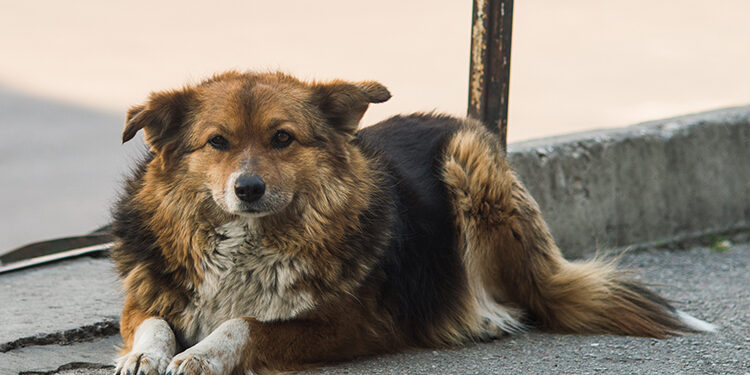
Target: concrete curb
column 649, row 184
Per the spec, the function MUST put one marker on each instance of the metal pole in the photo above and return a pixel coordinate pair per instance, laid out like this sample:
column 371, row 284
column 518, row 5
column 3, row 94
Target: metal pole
column 489, row 72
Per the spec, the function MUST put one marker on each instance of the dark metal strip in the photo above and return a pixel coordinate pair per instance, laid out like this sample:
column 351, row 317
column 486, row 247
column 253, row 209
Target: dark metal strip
column 48, row 247
column 88, row 250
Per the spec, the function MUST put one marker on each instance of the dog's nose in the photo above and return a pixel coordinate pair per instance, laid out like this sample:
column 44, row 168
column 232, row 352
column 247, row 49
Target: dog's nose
column 249, row 187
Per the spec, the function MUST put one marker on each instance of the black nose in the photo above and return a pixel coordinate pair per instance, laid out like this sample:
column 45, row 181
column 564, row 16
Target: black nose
column 249, row 187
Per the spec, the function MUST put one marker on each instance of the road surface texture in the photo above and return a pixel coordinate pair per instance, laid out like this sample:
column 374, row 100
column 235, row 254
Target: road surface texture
column 50, row 307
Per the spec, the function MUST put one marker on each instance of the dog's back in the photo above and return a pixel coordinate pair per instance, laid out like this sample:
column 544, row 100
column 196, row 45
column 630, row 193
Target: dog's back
column 425, row 284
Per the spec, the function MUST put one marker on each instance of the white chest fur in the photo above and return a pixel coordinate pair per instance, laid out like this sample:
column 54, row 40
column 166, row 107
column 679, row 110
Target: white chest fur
column 242, row 279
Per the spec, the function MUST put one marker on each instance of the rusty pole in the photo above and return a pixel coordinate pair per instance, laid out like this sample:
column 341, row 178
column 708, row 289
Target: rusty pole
column 489, row 72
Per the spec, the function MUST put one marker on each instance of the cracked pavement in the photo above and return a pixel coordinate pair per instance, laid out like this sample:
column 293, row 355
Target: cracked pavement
column 62, row 317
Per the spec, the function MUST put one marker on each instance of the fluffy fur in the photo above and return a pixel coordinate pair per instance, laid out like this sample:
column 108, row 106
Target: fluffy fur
column 411, row 233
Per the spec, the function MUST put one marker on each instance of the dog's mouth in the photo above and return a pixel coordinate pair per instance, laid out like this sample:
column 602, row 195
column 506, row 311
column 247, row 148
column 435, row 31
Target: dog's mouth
column 252, row 211
column 271, row 203
column 245, row 209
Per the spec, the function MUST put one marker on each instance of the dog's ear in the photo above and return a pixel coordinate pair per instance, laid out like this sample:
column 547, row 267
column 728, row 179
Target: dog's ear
column 344, row 103
column 161, row 118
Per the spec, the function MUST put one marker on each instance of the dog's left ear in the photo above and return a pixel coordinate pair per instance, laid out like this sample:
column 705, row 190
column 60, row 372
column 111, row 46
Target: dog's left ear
column 344, row 103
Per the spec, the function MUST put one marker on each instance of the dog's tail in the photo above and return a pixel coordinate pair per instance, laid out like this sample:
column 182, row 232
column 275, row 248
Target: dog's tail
column 591, row 297
column 508, row 245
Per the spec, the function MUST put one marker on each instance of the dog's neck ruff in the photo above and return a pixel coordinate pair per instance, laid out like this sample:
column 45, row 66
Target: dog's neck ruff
column 244, row 279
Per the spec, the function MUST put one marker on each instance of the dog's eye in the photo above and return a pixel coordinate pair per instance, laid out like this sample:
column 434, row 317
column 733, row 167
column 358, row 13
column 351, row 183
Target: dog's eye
column 218, row 142
column 281, row 139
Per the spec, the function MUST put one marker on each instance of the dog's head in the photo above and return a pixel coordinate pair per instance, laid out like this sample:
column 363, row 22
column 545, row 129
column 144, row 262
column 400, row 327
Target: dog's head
column 253, row 142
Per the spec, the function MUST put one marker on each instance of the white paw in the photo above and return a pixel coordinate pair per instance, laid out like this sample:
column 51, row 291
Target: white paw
column 142, row 364
column 196, row 362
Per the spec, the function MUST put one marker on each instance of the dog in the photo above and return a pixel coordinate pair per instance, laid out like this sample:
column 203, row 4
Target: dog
column 264, row 232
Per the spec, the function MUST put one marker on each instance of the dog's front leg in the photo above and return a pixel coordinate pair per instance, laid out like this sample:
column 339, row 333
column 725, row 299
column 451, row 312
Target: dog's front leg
column 217, row 354
column 154, row 345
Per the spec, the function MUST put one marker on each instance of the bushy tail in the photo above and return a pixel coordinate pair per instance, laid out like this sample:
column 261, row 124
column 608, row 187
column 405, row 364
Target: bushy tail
column 592, row 297
column 504, row 235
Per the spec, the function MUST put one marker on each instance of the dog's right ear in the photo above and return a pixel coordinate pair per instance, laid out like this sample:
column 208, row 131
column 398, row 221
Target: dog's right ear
column 133, row 123
column 161, row 118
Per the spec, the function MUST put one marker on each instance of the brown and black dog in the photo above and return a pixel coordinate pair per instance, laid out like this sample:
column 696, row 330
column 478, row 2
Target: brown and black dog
column 264, row 233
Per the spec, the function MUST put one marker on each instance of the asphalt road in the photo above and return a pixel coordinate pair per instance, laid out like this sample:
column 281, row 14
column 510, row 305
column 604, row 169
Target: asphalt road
column 60, row 167
column 712, row 285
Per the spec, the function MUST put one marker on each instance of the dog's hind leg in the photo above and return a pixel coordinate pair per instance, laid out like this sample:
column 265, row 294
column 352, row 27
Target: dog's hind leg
column 512, row 259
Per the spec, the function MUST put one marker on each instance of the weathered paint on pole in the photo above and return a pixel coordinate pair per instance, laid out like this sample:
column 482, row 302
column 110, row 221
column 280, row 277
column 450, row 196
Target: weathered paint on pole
column 489, row 76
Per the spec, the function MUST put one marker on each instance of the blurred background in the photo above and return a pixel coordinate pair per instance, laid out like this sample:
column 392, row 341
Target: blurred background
column 70, row 69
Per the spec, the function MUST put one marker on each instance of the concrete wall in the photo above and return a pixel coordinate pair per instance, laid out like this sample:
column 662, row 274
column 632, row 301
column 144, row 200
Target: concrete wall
column 649, row 184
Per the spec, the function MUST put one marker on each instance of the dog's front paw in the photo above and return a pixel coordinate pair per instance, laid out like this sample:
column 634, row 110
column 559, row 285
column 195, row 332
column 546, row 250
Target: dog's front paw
column 195, row 362
column 142, row 364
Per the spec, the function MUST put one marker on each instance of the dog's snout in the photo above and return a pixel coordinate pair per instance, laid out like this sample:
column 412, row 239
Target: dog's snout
column 249, row 187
